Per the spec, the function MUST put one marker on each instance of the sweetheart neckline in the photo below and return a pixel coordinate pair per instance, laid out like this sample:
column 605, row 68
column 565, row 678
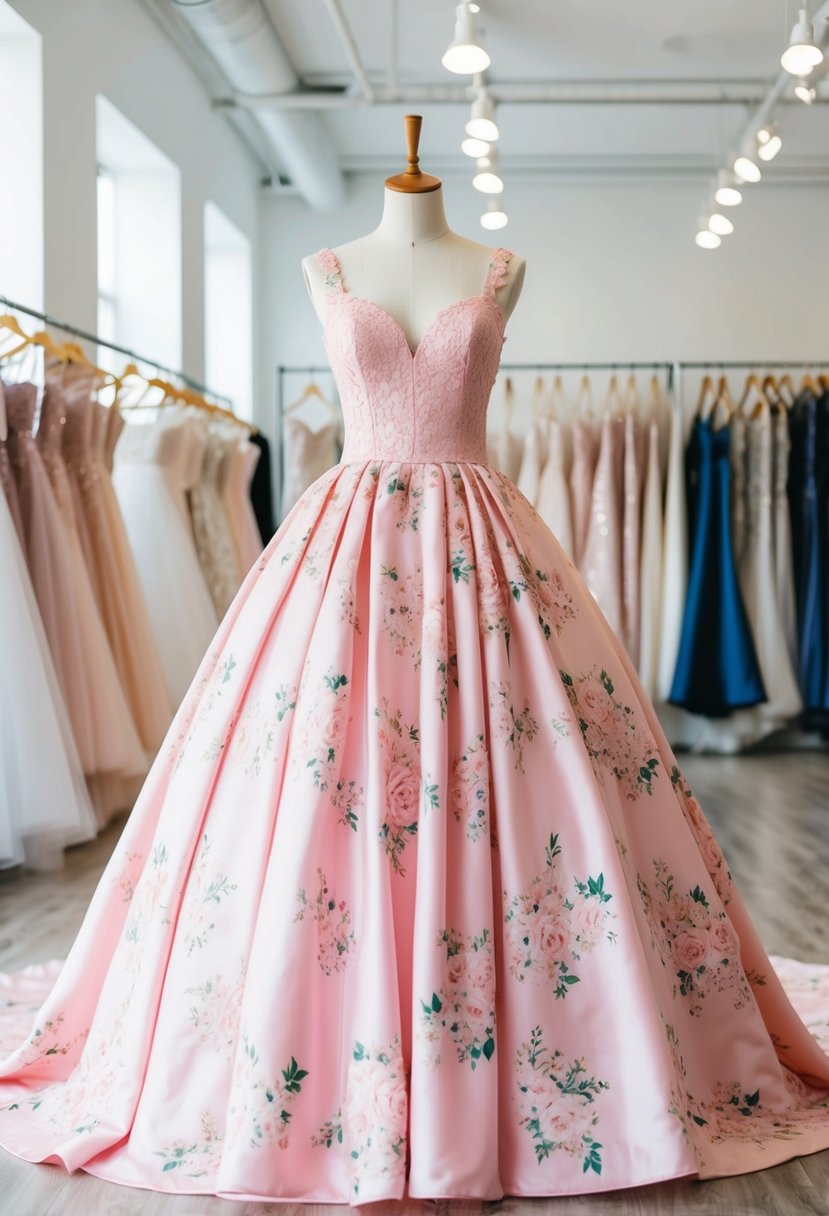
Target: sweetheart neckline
column 384, row 312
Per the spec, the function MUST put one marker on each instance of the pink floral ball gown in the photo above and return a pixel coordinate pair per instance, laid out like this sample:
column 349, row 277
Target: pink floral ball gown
column 415, row 897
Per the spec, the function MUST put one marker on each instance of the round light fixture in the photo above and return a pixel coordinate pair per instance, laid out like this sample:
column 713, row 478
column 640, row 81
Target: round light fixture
column 805, row 91
column 482, row 124
column 706, row 239
column 746, row 169
column 720, row 224
column 495, row 216
column 802, row 53
column 726, row 193
column 486, row 178
column 770, row 141
column 465, row 56
column 475, row 147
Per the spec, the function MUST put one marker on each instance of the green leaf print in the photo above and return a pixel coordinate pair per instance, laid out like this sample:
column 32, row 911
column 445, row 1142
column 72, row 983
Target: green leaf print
column 431, row 797
column 335, row 682
column 293, row 1076
column 389, row 572
column 461, row 567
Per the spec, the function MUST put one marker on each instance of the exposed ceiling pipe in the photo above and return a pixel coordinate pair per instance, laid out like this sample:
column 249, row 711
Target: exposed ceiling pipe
column 342, row 27
column 241, row 38
column 627, row 92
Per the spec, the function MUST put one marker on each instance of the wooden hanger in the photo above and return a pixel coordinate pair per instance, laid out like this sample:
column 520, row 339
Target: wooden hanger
column 613, row 396
column 538, row 409
column 752, row 382
column 631, row 400
column 312, row 389
column 706, row 389
column 809, row 382
column 656, row 396
column 585, row 393
column 555, row 402
column 723, row 399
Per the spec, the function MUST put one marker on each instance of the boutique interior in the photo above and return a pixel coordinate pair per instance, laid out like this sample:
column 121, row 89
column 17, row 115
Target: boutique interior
column 167, row 397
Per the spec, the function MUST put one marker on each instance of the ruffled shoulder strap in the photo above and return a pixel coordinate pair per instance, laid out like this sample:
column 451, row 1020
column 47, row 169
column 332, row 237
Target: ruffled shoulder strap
column 496, row 276
column 330, row 266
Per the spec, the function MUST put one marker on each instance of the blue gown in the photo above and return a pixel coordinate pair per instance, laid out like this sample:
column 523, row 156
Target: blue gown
column 809, row 506
column 717, row 670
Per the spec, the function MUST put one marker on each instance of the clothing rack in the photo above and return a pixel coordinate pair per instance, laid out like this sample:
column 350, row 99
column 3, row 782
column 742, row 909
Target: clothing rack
column 85, row 336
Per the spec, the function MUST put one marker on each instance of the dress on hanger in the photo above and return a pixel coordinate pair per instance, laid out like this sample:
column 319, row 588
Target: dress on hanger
column 504, row 446
column 534, row 455
column 808, row 478
column 475, row 915
column 116, row 750
column 240, row 463
column 214, row 543
column 674, row 554
column 582, row 472
column 308, row 452
column 261, row 490
column 650, row 586
column 631, row 534
column 758, row 582
column 553, row 503
column 717, row 670
column 783, row 564
column 601, row 560
column 738, row 455
column 7, row 481
column 121, row 600
column 150, row 481
column 50, row 568
column 44, row 804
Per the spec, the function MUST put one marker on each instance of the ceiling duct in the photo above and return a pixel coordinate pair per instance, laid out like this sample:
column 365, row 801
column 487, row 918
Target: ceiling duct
column 241, row 38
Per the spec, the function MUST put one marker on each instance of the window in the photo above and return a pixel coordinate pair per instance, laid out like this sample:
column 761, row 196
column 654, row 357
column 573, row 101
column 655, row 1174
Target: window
column 228, row 311
column 139, row 242
column 21, row 155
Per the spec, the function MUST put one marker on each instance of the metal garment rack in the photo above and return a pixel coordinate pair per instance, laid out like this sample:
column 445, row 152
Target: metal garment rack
column 85, row 336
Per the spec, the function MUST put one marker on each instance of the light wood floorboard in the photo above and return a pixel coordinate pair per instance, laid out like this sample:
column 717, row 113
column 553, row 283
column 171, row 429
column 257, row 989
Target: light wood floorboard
column 771, row 815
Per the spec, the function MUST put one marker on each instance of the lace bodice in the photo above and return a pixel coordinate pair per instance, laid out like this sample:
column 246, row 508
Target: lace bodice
column 429, row 405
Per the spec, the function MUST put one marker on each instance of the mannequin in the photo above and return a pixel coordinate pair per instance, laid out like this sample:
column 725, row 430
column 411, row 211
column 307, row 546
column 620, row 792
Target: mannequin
column 413, row 265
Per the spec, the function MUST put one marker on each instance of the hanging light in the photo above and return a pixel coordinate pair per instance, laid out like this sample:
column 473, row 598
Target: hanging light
column 802, row 53
column 726, row 193
column 745, row 166
column 482, row 124
column 475, row 147
column 495, row 216
column 769, row 140
column 805, row 91
column 718, row 223
column 486, row 178
column 705, row 238
column 465, row 56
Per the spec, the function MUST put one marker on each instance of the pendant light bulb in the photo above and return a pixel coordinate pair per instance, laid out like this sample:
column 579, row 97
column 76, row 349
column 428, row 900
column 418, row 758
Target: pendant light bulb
column 465, row 56
column 746, row 169
column 475, row 148
column 495, row 216
column 482, row 124
column 727, row 193
column 486, row 178
column 770, row 141
column 802, row 53
column 719, row 224
column 705, row 238
column 806, row 92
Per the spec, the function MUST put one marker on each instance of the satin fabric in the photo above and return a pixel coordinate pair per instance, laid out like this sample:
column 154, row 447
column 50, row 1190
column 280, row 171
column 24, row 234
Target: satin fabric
column 415, row 899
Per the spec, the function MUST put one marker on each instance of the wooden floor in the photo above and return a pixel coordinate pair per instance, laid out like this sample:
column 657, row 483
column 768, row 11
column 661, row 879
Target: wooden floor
column 771, row 814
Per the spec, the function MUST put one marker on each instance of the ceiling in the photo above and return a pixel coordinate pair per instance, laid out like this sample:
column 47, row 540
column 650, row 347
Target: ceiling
column 639, row 42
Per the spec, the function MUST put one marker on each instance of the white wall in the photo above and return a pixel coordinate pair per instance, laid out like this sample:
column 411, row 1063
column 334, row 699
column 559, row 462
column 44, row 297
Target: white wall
column 21, row 154
column 613, row 272
column 113, row 47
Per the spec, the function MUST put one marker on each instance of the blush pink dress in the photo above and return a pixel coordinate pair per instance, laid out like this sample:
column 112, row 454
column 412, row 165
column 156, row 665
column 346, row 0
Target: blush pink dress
column 415, row 899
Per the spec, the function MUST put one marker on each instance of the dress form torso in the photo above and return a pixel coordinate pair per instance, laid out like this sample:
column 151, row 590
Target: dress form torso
column 413, row 266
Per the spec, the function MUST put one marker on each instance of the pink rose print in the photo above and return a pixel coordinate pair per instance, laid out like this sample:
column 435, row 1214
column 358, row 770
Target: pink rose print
column 492, row 603
column 400, row 746
column 198, row 1155
column 469, row 792
column 546, row 932
column 373, row 1121
column 711, row 852
column 335, row 937
column 615, row 741
column 699, row 946
column 216, row 1011
column 330, row 267
column 514, row 729
column 401, row 600
column 556, row 1103
column 324, row 730
column 433, row 630
column 261, row 1114
column 463, row 1008
column 551, row 601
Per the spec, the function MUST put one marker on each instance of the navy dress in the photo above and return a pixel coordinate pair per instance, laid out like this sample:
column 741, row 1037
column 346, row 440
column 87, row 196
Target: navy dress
column 809, row 507
column 717, row 670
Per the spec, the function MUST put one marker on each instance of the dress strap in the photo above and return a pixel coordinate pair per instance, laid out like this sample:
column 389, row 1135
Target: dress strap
column 330, row 266
column 496, row 276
